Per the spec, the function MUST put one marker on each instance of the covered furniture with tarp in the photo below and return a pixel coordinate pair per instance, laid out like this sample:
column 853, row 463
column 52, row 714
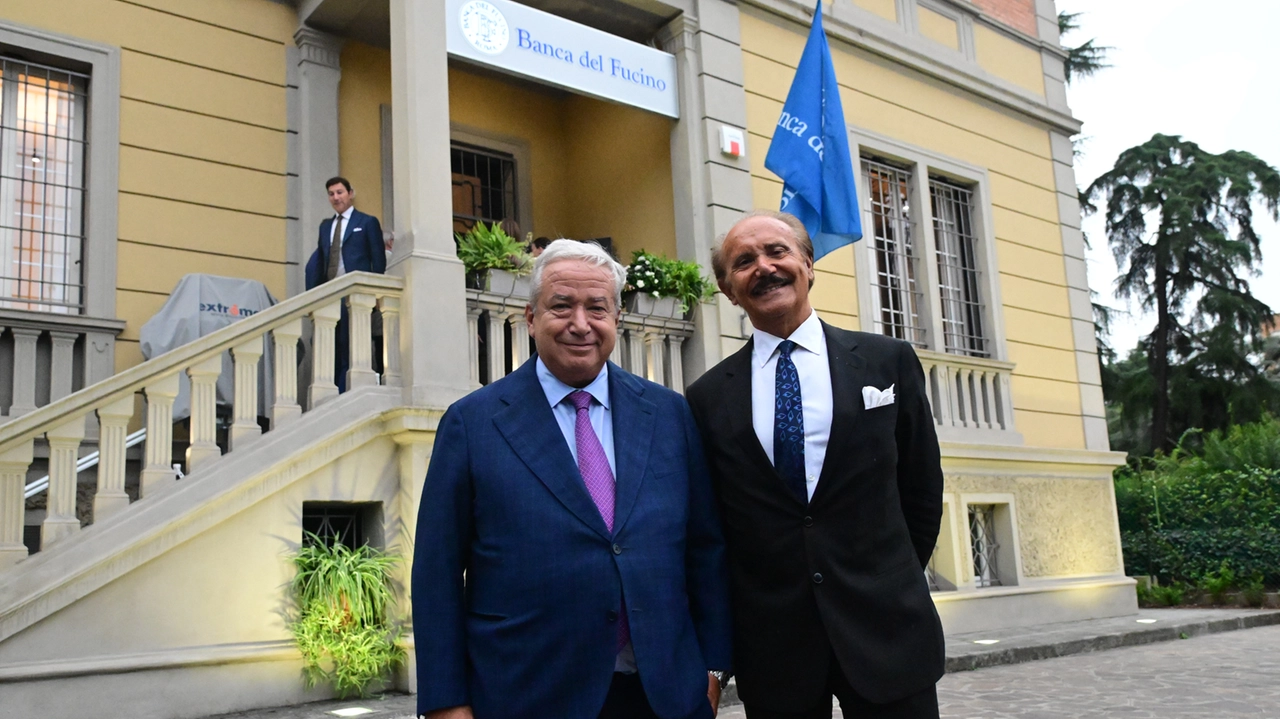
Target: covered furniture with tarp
column 201, row 304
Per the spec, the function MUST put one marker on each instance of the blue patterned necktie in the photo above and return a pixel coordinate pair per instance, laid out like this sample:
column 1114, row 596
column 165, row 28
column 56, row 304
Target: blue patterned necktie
column 788, row 424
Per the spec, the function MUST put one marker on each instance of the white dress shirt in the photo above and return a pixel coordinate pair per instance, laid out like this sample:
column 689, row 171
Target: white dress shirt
column 601, row 417
column 814, row 370
column 346, row 226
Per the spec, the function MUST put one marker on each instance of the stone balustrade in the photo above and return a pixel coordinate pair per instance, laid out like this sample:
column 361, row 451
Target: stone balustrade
column 63, row 423
column 648, row 345
column 45, row 357
column 971, row 397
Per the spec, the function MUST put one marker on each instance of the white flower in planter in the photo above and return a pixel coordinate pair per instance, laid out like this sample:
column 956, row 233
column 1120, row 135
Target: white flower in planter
column 639, row 283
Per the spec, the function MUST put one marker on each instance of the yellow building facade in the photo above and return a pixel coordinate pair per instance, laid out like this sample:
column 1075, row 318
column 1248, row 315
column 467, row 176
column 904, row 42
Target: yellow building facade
column 200, row 136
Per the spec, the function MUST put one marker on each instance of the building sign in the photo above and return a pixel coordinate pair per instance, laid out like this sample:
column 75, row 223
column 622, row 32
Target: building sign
column 523, row 41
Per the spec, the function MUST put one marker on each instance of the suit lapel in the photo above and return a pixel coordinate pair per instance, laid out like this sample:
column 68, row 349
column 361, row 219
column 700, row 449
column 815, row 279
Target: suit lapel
column 846, row 402
column 634, row 419
column 529, row 426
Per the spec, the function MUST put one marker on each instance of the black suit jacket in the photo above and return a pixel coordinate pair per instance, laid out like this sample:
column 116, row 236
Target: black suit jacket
column 362, row 248
column 846, row 571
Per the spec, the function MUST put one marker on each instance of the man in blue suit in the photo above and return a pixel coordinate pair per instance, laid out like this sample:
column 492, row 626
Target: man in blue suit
column 543, row 587
column 358, row 238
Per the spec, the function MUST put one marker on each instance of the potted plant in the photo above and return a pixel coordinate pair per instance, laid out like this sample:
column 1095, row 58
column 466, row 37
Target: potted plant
column 343, row 626
column 662, row 287
column 495, row 261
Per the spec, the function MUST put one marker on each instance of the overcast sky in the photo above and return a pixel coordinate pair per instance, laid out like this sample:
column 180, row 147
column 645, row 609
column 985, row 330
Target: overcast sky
column 1205, row 71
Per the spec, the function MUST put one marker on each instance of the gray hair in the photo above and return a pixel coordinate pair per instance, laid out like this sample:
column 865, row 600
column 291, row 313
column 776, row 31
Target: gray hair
column 589, row 252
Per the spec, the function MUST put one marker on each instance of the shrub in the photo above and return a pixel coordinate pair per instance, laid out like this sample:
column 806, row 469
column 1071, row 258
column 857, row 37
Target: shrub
column 1217, row 583
column 485, row 248
column 1214, row 499
column 1154, row 595
column 343, row 628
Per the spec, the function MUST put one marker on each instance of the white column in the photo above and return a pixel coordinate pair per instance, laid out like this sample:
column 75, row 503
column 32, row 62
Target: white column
column 244, row 425
column 953, row 393
column 519, row 340
column 157, row 473
column 24, row 370
column 62, row 365
column 360, row 339
column 204, row 412
column 318, row 76
column 391, row 372
column 114, row 422
column 64, row 447
column 635, row 344
column 677, row 364
column 13, row 480
column 436, row 371
column 285, row 407
column 653, row 350
column 323, row 320
column 497, row 345
column 616, row 355
column 473, row 343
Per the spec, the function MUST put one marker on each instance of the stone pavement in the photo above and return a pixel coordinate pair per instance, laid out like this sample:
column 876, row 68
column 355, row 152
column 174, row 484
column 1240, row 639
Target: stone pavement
column 1151, row 673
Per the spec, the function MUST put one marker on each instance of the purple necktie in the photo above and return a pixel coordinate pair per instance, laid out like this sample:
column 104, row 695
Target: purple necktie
column 593, row 464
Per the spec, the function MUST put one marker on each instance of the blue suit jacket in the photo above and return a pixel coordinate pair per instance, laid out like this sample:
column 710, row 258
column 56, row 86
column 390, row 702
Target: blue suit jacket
column 362, row 248
column 533, row 631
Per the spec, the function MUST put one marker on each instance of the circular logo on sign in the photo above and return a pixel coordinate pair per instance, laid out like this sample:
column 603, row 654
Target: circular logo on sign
column 484, row 27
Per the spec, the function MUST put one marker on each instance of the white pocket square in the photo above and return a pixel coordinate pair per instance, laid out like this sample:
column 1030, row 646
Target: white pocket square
column 872, row 397
column 358, row 229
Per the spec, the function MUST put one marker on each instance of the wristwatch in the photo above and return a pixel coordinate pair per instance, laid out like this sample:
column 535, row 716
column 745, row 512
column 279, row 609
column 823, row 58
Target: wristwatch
column 722, row 677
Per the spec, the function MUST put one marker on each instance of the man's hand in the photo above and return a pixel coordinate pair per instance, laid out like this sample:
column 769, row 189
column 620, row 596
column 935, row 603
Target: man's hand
column 713, row 694
column 463, row 712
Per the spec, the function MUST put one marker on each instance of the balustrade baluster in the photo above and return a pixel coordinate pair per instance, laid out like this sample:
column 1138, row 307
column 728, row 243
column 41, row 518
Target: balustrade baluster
column 954, row 396
column 653, row 355
column 158, row 471
column 24, row 371
column 114, row 422
column 64, row 447
column 244, row 425
column 359, row 313
column 1004, row 400
column 391, row 373
column 204, row 412
column 635, row 343
column 473, row 329
column 497, row 345
column 616, row 355
column 324, row 320
column 285, row 407
column 677, row 363
column 62, row 364
column 988, row 400
column 13, row 478
column 970, row 398
column 519, row 339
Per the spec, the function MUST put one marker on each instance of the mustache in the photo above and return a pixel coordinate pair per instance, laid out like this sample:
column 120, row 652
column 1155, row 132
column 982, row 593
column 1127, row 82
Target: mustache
column 768, row 282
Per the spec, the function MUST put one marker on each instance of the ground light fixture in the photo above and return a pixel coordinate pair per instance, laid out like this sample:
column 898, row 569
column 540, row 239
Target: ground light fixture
column 1146, row 621
column 986, row 641
column 351, row 712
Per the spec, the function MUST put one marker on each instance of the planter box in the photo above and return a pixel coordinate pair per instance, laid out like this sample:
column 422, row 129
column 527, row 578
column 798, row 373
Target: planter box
column 644, row 304
column 500, row 282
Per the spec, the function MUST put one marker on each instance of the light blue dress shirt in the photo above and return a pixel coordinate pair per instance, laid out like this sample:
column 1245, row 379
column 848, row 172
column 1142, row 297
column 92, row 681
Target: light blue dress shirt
column 602, row 422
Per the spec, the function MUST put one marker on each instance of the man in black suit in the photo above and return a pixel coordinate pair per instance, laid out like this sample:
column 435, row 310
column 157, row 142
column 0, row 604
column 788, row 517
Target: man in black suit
column 358, row 238
column 824, row 458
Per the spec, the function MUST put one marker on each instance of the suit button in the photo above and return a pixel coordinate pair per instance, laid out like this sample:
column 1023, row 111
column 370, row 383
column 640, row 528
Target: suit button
column 817, row 577
column 808, row 521
column 617, row 549
column 611, row 615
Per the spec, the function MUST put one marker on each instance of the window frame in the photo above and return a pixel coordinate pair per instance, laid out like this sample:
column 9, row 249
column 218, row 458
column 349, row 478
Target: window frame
column 102, row 164
column 923, row 165
column 519, row 151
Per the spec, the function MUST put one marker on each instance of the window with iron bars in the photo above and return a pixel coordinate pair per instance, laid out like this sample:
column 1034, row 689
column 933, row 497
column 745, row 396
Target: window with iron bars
column 958, row 277
column 42, row 161
column 982, row 538
column 484, row 186
column 893, row 254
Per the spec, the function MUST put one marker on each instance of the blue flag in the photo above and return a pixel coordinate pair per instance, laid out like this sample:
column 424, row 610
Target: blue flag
column 810, row 151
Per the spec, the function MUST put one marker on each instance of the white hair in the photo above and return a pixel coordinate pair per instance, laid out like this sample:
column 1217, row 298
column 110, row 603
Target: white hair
column 589, row 252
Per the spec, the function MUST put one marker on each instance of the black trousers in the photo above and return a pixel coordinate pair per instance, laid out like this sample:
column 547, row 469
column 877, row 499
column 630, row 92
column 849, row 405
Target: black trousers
column 921, row 705
column 626, row 699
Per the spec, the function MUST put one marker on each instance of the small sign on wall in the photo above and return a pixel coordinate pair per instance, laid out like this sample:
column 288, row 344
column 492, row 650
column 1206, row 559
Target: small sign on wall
column 732, row 141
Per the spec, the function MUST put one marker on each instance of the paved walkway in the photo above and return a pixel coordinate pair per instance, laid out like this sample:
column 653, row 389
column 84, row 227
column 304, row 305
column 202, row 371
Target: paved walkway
column 1151, row 675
